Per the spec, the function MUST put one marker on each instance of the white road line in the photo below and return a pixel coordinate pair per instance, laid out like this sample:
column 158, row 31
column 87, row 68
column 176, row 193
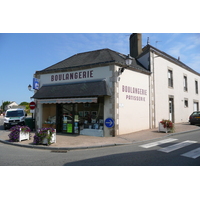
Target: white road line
column 192, row 154
column 153, row 144
column 177, row 146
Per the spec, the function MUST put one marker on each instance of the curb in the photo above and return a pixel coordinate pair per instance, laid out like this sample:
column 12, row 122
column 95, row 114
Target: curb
column 184, row 132
column 89, row 147
column 60, row 148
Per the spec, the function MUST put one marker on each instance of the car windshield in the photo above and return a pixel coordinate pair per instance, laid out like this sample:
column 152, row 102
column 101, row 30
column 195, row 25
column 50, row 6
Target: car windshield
column 17, row 113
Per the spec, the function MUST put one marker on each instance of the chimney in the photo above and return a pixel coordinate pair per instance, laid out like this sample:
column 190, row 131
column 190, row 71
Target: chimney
column 135, row 44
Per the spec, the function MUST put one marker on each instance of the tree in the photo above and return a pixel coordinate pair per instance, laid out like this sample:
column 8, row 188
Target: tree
column 26, row 104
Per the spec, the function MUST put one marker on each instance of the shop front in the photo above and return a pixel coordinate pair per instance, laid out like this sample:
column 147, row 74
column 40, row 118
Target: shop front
column 82, row 118
column 70, row 114
column 75, row 118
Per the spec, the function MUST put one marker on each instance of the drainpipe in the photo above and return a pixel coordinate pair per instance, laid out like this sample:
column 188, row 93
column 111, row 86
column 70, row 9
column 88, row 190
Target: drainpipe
column 154, row 95
column 150, row 110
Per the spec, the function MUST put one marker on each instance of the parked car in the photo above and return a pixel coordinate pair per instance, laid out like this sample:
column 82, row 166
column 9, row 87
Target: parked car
column 195, row 118
column 14, row 117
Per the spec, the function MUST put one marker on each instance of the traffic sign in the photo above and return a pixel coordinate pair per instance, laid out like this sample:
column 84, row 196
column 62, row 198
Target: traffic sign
column 32, row 105
column 36, row 84
column 109, row 122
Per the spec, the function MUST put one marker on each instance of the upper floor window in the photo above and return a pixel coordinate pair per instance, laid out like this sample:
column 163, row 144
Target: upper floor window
column 170, row 78
column 185, row 86
column 196, row 87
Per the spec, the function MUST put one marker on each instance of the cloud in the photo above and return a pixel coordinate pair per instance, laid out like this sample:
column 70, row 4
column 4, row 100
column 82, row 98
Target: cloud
column 83, row 42
column 172, row 37
column 192, row 46
column 185, row 46
column 194, row 38
column 194, row 61
column 176, row 50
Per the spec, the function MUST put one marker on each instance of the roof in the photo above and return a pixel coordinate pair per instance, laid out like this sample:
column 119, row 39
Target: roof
column 100, row 57
column 166, row 56
column 83, row 89
column 12, row 103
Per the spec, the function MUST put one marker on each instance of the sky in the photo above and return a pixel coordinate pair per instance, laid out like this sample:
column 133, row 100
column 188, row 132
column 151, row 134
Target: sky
column 37, row 34
column 21, row 54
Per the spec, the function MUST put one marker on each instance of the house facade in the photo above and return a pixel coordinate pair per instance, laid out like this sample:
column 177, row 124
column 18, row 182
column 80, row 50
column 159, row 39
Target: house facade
column 174, row 86
column 96, row 93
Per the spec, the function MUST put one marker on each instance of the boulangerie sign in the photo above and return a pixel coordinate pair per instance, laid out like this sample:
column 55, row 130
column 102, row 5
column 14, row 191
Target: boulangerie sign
column 72, row 75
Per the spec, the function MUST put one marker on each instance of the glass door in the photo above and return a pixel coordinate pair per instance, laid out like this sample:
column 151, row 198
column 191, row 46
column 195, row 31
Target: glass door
column 67, row 118
column 59, row 117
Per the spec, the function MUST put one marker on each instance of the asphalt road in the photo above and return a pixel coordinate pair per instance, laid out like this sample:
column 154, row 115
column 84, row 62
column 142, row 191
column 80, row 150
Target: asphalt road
column 159, row 152
column 127, row 155
column 142, row 183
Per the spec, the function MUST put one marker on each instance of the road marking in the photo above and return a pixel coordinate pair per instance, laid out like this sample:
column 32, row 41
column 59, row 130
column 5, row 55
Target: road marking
column 177, row 146
column 153, row 144
column 192, row 154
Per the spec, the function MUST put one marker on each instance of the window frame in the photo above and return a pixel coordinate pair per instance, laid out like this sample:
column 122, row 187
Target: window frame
column 170, row 78
column 185, row 83
column 196, row 87
column 186, row 104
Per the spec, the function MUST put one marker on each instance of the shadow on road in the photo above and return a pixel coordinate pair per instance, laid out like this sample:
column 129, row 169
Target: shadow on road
column 140, row 158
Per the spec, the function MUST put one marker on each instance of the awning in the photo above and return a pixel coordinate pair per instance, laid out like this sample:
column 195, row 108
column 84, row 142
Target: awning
column 75, row 90
column 71, row 100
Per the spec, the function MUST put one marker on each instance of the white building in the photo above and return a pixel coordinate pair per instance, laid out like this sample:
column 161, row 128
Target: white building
column 13, row 104
column 174, row 86
column 96, row 93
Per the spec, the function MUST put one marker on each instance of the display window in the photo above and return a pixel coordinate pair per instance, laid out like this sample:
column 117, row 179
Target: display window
column 90, row 116
column 78, row 118
column 49, row 116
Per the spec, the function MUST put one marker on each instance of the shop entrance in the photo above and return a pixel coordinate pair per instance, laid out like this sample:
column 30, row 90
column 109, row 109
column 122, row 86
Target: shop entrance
column 80, row 118
column 67, row 120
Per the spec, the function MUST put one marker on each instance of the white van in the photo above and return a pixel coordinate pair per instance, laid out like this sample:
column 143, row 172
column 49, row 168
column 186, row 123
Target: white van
column 14, row 117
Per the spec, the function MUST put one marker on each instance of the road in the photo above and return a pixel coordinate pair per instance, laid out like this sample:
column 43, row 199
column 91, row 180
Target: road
column 142, row 183
column 169, row 151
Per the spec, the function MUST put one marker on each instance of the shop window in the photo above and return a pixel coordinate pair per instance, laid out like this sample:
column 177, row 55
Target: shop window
column 170, row 78
column 81, row 118
column 90, row 116
column 49, row 116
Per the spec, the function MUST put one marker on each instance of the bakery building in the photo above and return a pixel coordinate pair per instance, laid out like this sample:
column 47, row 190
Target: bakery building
column 106, row 93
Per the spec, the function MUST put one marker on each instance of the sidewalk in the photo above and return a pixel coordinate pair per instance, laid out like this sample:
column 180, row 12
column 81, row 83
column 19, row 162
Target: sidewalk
column 72, row 142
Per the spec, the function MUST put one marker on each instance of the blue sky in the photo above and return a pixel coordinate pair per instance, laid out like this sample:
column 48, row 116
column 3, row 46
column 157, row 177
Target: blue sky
column 21, row 54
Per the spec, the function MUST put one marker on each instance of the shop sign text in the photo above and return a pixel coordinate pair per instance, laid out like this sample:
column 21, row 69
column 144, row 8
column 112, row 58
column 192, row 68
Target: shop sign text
column 72, row 75
column 133, row 93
